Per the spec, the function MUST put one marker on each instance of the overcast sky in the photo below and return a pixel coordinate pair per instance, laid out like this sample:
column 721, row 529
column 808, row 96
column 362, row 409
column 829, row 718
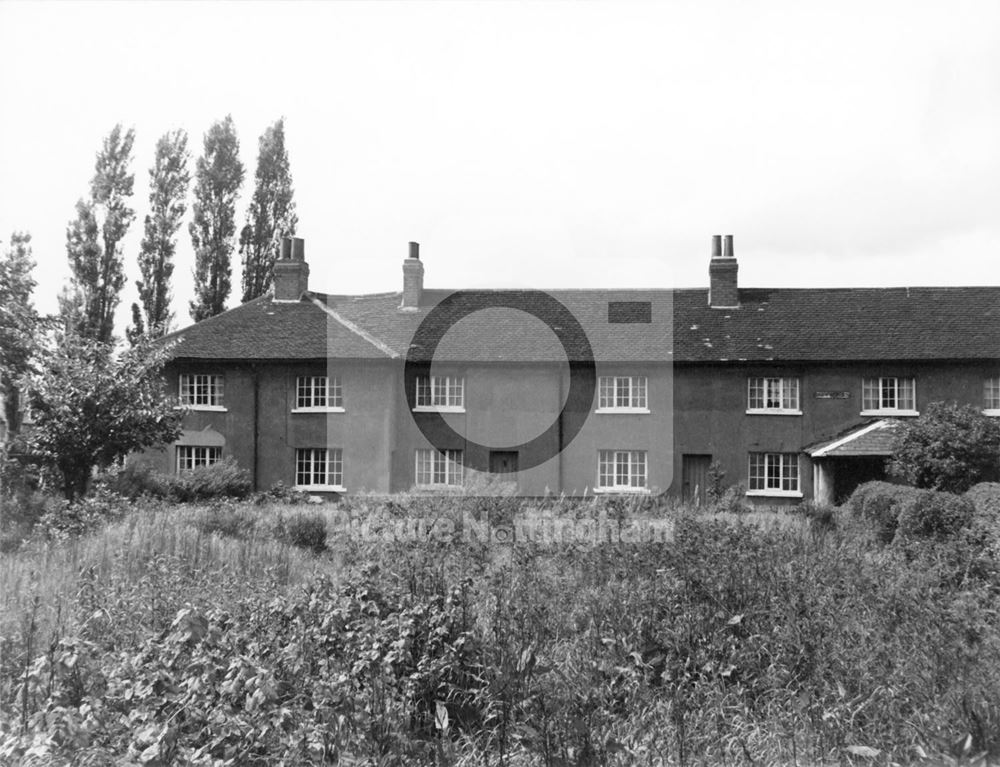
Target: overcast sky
column 537, row 144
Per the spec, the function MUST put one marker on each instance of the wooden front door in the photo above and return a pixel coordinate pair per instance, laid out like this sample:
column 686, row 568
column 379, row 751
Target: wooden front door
column 503, row 461
column 694, row 478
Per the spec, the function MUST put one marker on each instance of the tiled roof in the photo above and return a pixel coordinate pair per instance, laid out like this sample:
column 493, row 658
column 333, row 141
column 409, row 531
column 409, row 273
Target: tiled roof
column 770, row 325
column 872, row 438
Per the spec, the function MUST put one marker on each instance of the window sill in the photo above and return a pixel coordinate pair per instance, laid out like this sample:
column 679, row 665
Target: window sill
column 439, row 409
column 765, row 411
column 887, row 412
column 992, row 411
column 319, row 488
column 623, row 410
column 774, row 493
column 616, row 490
column 438, row 486
column 203, row 408
column 318, row 410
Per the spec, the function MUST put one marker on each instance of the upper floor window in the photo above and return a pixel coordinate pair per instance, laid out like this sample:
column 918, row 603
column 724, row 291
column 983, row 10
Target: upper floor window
column 773, row 474
column 193, row 456
column 991, row 395
column 773, row 395
column 318, row 392
column 621, row 470
column 441, row 392
column 438, row 467
column 619, row 393
column 888, row 395
column 201, row 391
column 319, row 467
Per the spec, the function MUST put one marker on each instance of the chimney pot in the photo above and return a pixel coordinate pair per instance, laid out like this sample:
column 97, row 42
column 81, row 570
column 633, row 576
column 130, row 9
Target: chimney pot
column 716, row 246
column 727, row 247
column 291, row 272
column 414, row 250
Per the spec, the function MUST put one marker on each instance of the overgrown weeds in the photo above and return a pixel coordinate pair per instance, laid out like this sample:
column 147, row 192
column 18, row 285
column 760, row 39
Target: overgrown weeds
column 197, row 636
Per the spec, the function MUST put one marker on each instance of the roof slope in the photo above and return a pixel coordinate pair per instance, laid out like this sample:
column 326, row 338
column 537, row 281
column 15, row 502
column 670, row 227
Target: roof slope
column 770, row 325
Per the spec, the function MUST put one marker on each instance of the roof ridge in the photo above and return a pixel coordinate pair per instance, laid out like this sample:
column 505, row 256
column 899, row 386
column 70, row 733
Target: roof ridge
column 379, row 344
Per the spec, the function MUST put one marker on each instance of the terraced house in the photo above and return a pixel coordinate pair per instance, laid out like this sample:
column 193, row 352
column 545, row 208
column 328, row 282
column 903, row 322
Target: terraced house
column 791, row 393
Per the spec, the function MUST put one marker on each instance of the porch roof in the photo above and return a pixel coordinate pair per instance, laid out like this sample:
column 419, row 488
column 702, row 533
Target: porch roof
column 870, row 438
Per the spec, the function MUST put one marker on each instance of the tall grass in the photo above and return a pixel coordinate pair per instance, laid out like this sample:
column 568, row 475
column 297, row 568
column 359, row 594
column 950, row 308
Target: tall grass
column 751, row 638
column 135, row 573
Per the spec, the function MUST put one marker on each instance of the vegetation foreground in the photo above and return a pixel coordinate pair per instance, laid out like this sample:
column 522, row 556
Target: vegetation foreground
column 268, row 633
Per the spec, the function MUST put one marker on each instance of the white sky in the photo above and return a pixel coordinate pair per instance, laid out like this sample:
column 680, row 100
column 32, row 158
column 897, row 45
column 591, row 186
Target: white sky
column 540, row 144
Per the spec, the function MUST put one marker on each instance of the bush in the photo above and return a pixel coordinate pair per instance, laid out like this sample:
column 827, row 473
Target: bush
column 307, row 531
column 224, row 479
column 949, row 447
column 930, row 514
column 135, row 481
column 63, row 519
column 281, row 493
column 879, row 504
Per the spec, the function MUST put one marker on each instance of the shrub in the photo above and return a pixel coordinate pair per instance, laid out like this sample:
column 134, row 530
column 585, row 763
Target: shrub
column 949, row 447
column 63, row 519
column 223, row 479
column 135, row 481
column 879, row 504
column 930, row 514
column 279, row 492
column 307, row 531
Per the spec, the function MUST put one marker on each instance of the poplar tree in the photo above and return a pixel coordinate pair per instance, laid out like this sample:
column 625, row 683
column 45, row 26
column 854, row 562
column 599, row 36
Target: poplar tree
column 271, row 214
column 218, row 178
column 93, row 238
column 19, row 323
column 168, row 185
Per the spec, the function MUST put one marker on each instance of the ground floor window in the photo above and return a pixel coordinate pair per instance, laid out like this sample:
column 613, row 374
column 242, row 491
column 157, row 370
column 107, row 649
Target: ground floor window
column 193, row 456
column 621, row 469
column 774, row 471
column 319, row 466
column 991, row 393
column 438, row 467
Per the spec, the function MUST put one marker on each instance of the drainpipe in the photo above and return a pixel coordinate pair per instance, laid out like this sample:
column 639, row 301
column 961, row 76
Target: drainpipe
column 256, row 425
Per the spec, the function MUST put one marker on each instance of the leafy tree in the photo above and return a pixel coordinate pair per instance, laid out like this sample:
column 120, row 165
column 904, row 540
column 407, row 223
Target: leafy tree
column 19, row 323
column 219, row 176
column 93, row 237
column 90, row 408
column 168, row 185
column 948, row 447
column 271, row 214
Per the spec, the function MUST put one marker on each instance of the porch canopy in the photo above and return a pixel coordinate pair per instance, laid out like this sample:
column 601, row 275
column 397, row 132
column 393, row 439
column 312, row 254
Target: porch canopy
column 854, row 456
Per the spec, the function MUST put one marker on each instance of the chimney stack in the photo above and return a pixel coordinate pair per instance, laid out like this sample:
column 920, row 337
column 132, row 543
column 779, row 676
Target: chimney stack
column 291, row 272
column 413, row 278
column 723, row 291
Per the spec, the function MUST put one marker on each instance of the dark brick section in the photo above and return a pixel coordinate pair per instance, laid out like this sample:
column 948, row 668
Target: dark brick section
column 630, row 312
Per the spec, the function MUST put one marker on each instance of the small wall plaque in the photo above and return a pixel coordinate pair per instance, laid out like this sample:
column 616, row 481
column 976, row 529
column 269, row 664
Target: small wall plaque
column 832, row 395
